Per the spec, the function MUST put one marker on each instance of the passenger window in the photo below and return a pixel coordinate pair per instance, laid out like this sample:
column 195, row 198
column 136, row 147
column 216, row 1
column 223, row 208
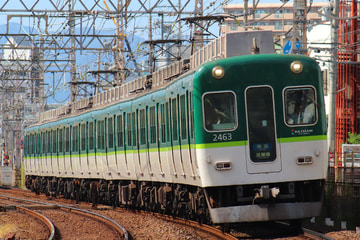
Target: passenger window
column 134, row 128
column 142, row 127
column 43, row 137
column 83, row 137
column 67, row 139
column 128, row 125
column 120, row 131
column 48, row 136
column 174, row 119
column 182, row 113
column 60, row 140
column 162, row 123
column 100, row 135
column 300, row 106
column 75, row 139
column 32, row 146
column 219, row 111
column 91, row 136
column 191, row 112
column 38, row 144
column 54, row 141
column 153, row 136
column 167, row 115
column 110, row 133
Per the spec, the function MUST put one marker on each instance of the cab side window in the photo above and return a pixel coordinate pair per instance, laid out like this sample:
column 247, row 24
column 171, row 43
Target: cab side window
column 300, row 106
column 219, row 109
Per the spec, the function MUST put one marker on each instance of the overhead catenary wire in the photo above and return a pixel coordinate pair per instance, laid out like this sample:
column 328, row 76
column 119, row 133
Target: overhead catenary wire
column 55, row 35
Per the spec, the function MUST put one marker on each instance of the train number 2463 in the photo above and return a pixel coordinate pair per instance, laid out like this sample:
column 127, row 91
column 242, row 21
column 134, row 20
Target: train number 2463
column 222, row 137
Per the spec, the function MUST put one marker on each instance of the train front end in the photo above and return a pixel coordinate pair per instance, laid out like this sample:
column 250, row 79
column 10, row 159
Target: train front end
column 260, row 132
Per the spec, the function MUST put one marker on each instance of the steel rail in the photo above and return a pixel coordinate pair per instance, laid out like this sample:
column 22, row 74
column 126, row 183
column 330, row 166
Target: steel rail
column 310, row 233
column 42, row 218
column 206, row 228
column 315, row 235
column 114, row 225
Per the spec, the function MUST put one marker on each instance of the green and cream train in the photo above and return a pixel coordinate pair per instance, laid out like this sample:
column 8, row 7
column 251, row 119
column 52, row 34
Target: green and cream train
column 219, row 137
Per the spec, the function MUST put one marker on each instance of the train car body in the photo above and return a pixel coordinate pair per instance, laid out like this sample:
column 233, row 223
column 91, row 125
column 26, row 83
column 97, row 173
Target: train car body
column 235, row 139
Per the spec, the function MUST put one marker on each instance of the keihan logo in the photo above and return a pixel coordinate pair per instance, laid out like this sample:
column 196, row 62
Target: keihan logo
column 301, row 131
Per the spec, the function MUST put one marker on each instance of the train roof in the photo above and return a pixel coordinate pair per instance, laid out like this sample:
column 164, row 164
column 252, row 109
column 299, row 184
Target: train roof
column 227, row 45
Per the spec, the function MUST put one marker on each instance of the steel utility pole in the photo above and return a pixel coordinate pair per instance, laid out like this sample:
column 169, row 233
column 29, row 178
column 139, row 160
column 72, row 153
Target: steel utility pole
column 333, row 77
column 59, row 34
column 299, row 29
column 199, row 29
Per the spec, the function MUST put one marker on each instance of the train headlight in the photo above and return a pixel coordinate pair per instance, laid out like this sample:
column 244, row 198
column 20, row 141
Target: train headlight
column 218, row 72
column 296, row 67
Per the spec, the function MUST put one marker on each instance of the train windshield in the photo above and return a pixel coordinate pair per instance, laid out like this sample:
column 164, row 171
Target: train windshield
column 261, row 124
column 300, row 106
column 219, row 111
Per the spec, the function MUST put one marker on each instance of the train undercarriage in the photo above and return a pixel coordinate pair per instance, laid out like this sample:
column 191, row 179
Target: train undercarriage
column 191, row 202
column 173, row 199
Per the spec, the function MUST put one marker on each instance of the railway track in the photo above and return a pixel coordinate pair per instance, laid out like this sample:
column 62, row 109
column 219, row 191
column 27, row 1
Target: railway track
column 40, row 211
column 102, row 210
column 315, row 235
column 13, row 211
column 202, row 227
column 109, row 215
column 41, row 218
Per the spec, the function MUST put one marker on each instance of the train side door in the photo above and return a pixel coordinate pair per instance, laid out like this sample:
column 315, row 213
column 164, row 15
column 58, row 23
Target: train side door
column 68, row 164
column 110, row 146
column 75, row 152
column 52, row 149
column 143, row 147
column 135, row 142
column 131, row 144
column 84, row 163
column 262, row 147
column 105, row 150
column 164, row 140
column 43, row 162
column 121, row 154
column 92, row 164
column 175, row 138
column 60, row 158
column 37, row 153
column 101, row 159
column 184, row 125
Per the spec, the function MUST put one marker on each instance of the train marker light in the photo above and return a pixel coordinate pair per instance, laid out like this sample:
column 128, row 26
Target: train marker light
column 296, row 67
column 222, row 166
column 218, row 72
column 304, row 160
